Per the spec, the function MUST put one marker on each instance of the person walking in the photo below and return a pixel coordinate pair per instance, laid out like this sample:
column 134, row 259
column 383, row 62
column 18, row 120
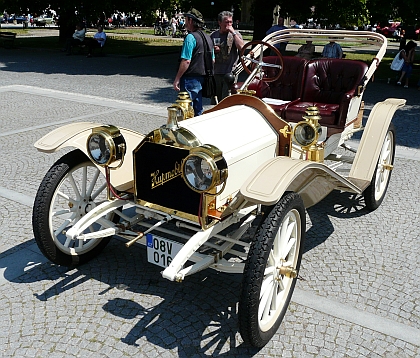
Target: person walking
column 191, row 70
column 227, row 44
column 280, row 26
column 407, row 54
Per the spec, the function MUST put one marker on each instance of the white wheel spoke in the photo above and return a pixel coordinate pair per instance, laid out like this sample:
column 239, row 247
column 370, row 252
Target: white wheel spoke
column 99, row 191
column 74, row 186
column 266, row 301
column 271, row 259
column 267, row 282
column 93, row 182
column 61, row 212
column 67, row 242
column 270, row 270
column 65, row 196
column 289, row 247
column 63, row 226
column 84, row 182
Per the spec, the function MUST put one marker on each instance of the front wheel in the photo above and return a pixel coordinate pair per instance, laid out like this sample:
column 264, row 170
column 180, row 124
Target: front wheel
column 374, row 194
column 71, row 188
column 271, row 270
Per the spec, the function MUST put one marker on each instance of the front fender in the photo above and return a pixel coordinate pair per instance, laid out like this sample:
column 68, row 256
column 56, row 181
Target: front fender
column 313, row 181
column 75, row 135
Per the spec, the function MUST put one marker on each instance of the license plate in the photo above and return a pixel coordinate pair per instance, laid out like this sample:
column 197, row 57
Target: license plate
column 161, row 251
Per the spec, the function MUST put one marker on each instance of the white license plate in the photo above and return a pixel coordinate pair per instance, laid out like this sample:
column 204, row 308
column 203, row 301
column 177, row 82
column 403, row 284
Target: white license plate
column 161, row 251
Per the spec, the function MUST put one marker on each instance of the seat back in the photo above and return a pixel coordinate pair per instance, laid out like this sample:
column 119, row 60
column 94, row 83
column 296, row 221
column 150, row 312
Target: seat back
column 289, row 86
column 329, row 80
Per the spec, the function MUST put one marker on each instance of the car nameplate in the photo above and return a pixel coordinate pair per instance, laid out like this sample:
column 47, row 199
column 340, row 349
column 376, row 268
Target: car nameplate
column 161, row 251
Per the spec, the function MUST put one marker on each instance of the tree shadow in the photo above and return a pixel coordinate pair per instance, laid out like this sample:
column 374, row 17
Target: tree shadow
column 193, row 318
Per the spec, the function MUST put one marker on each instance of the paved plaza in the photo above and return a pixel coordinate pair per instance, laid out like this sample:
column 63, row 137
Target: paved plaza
column 359, row 290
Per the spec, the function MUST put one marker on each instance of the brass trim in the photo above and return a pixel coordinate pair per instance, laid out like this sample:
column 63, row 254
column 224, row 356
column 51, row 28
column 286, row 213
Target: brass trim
column 181, row 214
column 108, row 133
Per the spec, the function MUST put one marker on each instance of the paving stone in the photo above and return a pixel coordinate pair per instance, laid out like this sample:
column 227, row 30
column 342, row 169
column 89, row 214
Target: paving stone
column 118, row 304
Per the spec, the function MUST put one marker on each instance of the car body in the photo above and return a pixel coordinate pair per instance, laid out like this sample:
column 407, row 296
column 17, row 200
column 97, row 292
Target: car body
column 193, row 191
column 44, row 20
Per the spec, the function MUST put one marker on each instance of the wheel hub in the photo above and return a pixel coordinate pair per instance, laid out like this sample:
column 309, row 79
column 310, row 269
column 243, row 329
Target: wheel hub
column 85, row 206
column 287, row 271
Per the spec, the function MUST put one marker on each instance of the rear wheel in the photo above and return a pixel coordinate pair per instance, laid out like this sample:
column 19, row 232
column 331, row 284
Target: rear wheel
column 374, row 194
column 71, row 188
column 271, row 270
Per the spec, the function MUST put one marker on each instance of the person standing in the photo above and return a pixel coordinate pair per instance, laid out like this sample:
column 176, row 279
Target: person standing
column 280, row 26
column 332, row 50
column 407, row 54
column 174, row 23
column 191, row 71
column 227, row 44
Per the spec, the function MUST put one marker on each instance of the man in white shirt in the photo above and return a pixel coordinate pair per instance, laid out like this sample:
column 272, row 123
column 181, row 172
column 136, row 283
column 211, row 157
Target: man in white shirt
column 98, row 40
column 77, row 38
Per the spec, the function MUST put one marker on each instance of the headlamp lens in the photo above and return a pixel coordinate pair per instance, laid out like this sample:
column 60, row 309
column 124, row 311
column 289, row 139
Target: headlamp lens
column 198, row 173
column 99, row 148
column 304, row 134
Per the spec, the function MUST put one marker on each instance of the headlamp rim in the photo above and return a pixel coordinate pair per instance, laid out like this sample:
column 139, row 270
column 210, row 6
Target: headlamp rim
column 109, row 139
column 215, row 171
column 315, row 128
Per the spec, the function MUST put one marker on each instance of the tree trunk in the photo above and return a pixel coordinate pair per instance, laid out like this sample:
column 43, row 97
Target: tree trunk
column 67, row 24
column 263, row 19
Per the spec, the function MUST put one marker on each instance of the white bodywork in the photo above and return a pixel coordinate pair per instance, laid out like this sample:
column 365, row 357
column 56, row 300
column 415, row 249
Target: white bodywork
column 246, row 140
column 256, row 175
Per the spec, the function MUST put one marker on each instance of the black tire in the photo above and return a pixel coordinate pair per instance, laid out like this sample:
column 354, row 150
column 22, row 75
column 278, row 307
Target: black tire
column 374, row 194
column 56, row 207
column 258, row 327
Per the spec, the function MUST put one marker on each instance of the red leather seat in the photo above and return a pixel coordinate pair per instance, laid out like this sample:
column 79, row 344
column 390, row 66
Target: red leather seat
column 288, row 87
column 328, row 84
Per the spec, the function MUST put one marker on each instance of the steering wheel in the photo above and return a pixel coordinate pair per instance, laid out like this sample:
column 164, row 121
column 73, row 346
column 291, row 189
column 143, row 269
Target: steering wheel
column 259, row 63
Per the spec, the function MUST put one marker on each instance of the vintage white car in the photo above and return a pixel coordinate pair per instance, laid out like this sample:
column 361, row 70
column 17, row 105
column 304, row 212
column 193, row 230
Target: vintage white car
column 190, row 190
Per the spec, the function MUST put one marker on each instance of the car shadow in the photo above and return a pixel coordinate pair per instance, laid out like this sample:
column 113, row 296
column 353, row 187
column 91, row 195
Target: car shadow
column 336, row 204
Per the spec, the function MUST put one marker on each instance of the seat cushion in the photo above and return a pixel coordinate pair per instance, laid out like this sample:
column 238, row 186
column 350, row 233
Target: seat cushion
column 328, row 112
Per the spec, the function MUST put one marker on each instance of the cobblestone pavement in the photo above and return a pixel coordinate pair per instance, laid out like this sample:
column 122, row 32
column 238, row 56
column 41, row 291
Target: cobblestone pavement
column 360, row 289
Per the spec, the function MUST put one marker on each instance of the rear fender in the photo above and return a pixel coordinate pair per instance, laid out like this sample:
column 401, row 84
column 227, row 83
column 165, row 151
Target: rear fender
column 367, row 155
column 313, row 181
column 76, row 134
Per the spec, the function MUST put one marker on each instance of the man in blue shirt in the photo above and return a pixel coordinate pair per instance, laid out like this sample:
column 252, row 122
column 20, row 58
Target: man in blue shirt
column 191, row 71
column 332, row 50
column 280, row 26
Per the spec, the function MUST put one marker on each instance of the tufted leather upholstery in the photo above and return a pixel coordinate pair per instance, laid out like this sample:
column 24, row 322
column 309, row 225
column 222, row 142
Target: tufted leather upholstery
column 329, row 84
column 288, row 87
column 326, row 83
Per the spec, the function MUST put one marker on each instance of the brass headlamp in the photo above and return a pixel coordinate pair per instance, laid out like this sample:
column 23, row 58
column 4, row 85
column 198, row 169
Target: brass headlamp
column 183, row 106
column 204, row 169
column 307, row 132
column 106, row 145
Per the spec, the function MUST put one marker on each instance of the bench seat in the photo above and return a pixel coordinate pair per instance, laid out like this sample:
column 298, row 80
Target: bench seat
column 329, row 84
